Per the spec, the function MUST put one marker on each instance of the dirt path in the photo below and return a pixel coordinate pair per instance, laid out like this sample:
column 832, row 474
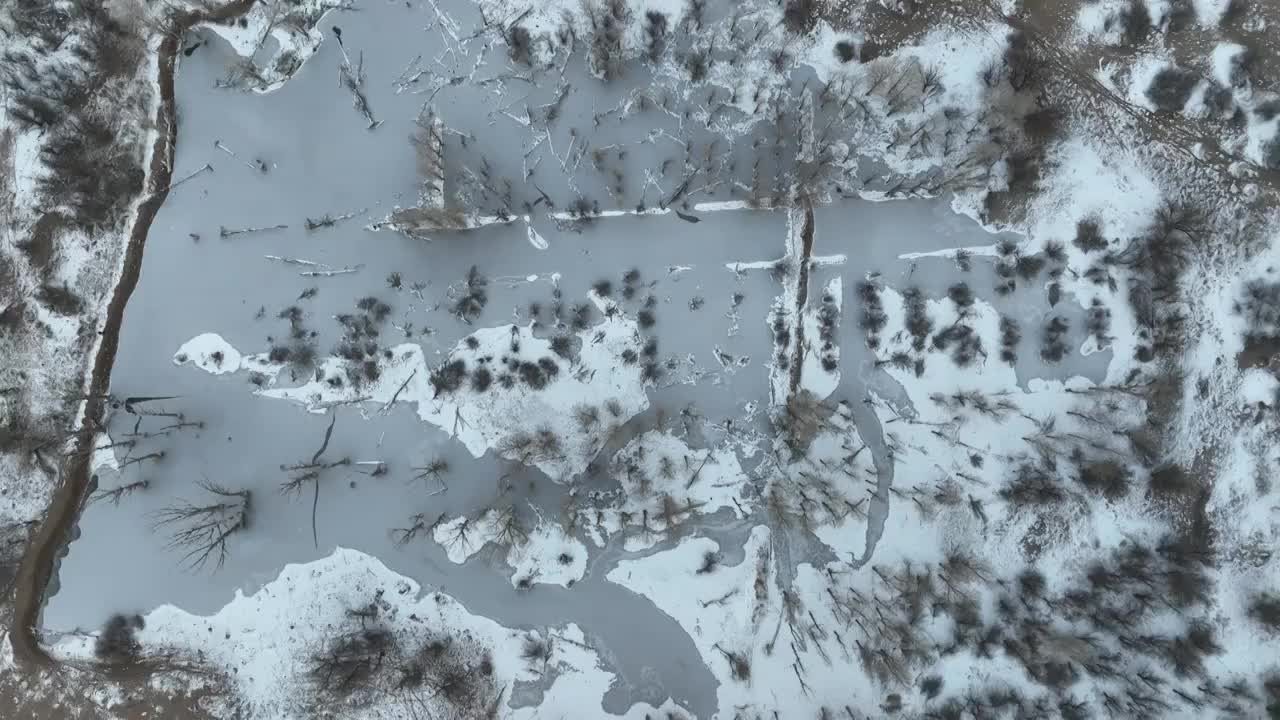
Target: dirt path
column 54, row 530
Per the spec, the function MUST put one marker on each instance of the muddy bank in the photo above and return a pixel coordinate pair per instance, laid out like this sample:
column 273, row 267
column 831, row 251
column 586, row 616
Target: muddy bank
column 54, row 530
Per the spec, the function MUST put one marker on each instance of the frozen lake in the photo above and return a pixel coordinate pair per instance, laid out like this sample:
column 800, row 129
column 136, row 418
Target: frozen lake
column 322, row 161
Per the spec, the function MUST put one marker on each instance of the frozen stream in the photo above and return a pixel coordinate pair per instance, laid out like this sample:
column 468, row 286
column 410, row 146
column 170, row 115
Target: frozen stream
column 322, row 161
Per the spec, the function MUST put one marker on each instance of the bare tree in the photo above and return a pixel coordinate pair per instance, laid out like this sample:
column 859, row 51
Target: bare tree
column 435, row 471
column 116, row 494
column 203, row 530
column 310, row 472
column 418, row 526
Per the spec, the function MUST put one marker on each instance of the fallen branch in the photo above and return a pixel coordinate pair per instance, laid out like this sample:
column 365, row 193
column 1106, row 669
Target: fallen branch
column 226, row 233
column 207, row 168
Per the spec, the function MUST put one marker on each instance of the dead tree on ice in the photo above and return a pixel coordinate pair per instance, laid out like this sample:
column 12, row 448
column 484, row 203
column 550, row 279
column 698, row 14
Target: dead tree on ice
column 309, row 472
column 352, row 78
column 203, row 530
column 116, row 494
column 434, row 470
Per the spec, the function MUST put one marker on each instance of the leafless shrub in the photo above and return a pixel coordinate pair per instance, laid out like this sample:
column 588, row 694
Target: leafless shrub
column 60, row 298
column 1135, row 22
column 474, row 297
column 116, row 642
column 519, row 44
column 1089, row 236
column 1171, row 88
column 739, row 664
column 1264, row 608
column 845, row 51
column 448, row 377
column 694, row 10
column 1010, row 336
column 655, row 33
column 1259, row 305
column 455, row 672
column 92, row 172
column 352, row 661
column 1053, row 346
column 609, row 20
column 1107, row 478
column 1032, row 486
column 918, row 323
column 964, row 344
column 873, row 318
column 800, row 16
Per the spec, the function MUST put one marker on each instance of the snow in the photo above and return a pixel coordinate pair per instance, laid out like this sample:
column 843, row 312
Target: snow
column 1211, row 12
column 261, row 642
column 664, row 481
column 1099, row 21
column 1108, row 187
column 293, row 28
column 960, row 58
column 721, row 612
column 26, row 166
column 545, row 554
column 827, row 487
column 1258, row 386
column 1142, row 74
column 550, row 556
column 494, row 419
column 535, row 238
column 210, row 353
column 1223, row 61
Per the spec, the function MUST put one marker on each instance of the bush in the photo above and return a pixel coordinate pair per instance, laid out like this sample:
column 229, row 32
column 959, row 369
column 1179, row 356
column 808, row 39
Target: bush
column 1171, row 88
column 1260, row 307
column 448, row 377
column 471, row 304
column 351, row 662
column 873, row 318
column 40, row 246
column 1264, row 608
column 1032, row 486
column 92, row 171
column 1053, row 346
column 117, row 643
column 918, row 322
column 964, row 343
column 519, row 44
column 800, row 16
column 60, row 299
column 532, row 374
column 845, row 51
column 1098, row 322
column 1188, row 652
column 655, row 34
column 1107, row 478
column 609, row 20
column 961, row 295
column 1135, row 22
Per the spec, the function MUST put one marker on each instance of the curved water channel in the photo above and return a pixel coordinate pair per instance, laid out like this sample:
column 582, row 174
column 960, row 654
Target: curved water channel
column 321, row 160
